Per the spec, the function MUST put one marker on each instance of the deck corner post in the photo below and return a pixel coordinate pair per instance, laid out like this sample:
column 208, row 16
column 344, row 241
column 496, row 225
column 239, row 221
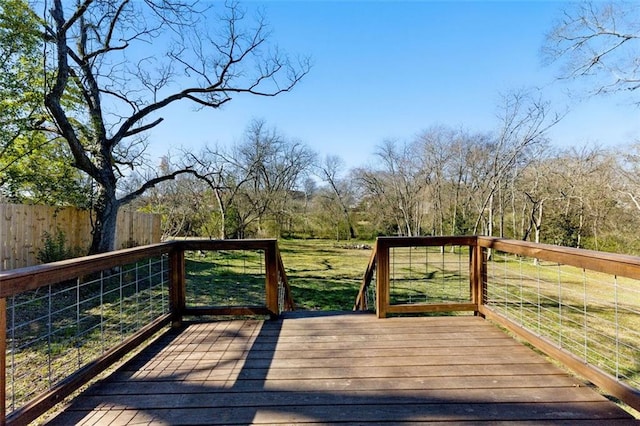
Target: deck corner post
column 478, row 277
column 3, row 361
column 271, row 289
column 482, row 275
column 382, row 279
column 177, row 285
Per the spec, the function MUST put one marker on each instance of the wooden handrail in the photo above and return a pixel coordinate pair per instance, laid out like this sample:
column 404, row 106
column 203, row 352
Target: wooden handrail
column 361, row 303
column 289, row 304
column 609, row 263
column 16, row 281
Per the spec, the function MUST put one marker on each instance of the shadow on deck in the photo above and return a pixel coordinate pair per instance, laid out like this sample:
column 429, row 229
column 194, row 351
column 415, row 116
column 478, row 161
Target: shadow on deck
column 339, row 368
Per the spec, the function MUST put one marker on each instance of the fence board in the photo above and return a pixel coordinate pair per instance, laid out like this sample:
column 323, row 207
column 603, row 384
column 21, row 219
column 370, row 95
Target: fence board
column 22, row 228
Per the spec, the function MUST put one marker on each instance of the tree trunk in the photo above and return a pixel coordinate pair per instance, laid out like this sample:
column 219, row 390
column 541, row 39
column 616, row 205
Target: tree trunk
column 222, row 211
column 490, row 219
column 104, row 227
column 538, row 222
column 538, row 227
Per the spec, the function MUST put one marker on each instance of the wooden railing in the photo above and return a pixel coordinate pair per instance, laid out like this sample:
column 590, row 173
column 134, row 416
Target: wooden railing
column 363, row 299
column 63, row 323
column 580, row 307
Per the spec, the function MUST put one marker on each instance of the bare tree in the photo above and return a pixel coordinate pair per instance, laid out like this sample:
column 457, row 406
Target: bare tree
column 254, row 178
column 100, row 55
column 434, row 146
column 275, row 165
column 450, row 159
column 216, row 168
column 598, row 42
column 628, row 170
column 586, row 192
column 399, row 184
column 538, row 183
column 524, row 120
column 329, row 172
column 181, row 202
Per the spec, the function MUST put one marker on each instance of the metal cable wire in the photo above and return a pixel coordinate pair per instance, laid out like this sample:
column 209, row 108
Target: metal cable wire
column 429, row 274
column 225, row 278
column 594, row 316
column 57, row 329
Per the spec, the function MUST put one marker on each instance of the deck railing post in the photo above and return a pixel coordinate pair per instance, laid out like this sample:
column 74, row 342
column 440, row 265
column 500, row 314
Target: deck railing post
column 478, row 276
column 177, row 285
column 484, row 257
column 3, row 361
column 271, row 269
column 382, row 279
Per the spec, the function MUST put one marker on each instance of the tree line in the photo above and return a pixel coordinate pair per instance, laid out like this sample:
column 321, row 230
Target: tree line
column 444, row 181
column 80, row 90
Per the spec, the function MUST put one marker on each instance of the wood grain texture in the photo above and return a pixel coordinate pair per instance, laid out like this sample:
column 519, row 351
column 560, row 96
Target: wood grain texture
column 349, row 368
column 608, row 263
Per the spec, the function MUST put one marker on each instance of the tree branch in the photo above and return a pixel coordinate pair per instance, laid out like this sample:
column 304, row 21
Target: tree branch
column 153, row 182
column 143, row 128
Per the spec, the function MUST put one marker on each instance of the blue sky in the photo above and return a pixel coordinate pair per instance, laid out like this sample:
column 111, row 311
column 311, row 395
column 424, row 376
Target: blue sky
column 387, row 70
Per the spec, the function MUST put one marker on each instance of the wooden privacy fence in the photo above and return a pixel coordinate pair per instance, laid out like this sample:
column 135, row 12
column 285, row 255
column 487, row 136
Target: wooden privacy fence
column 22, row 228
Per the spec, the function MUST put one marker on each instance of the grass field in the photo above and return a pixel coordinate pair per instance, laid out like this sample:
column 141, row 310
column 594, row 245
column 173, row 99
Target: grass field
column 322, row 274
column 430, row 275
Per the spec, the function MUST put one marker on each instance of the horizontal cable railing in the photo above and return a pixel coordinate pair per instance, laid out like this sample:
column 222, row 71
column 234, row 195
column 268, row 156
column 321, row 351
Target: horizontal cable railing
column 63, row 323
column 421, row 274
column 581, row 307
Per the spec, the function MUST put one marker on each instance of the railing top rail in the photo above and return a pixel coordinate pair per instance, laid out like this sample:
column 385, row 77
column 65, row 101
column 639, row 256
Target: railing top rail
column 208, row 244
column 425, row 241
column 16, row 281
column 610, row 263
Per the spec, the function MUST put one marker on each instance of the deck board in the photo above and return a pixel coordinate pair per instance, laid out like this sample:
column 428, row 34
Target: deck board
column 341, row 368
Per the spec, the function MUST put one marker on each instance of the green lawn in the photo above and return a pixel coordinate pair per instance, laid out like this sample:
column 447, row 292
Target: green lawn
column 324, row 274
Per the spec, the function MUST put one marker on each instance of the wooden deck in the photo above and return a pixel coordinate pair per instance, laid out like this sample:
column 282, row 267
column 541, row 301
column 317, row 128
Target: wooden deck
column 340, row 368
